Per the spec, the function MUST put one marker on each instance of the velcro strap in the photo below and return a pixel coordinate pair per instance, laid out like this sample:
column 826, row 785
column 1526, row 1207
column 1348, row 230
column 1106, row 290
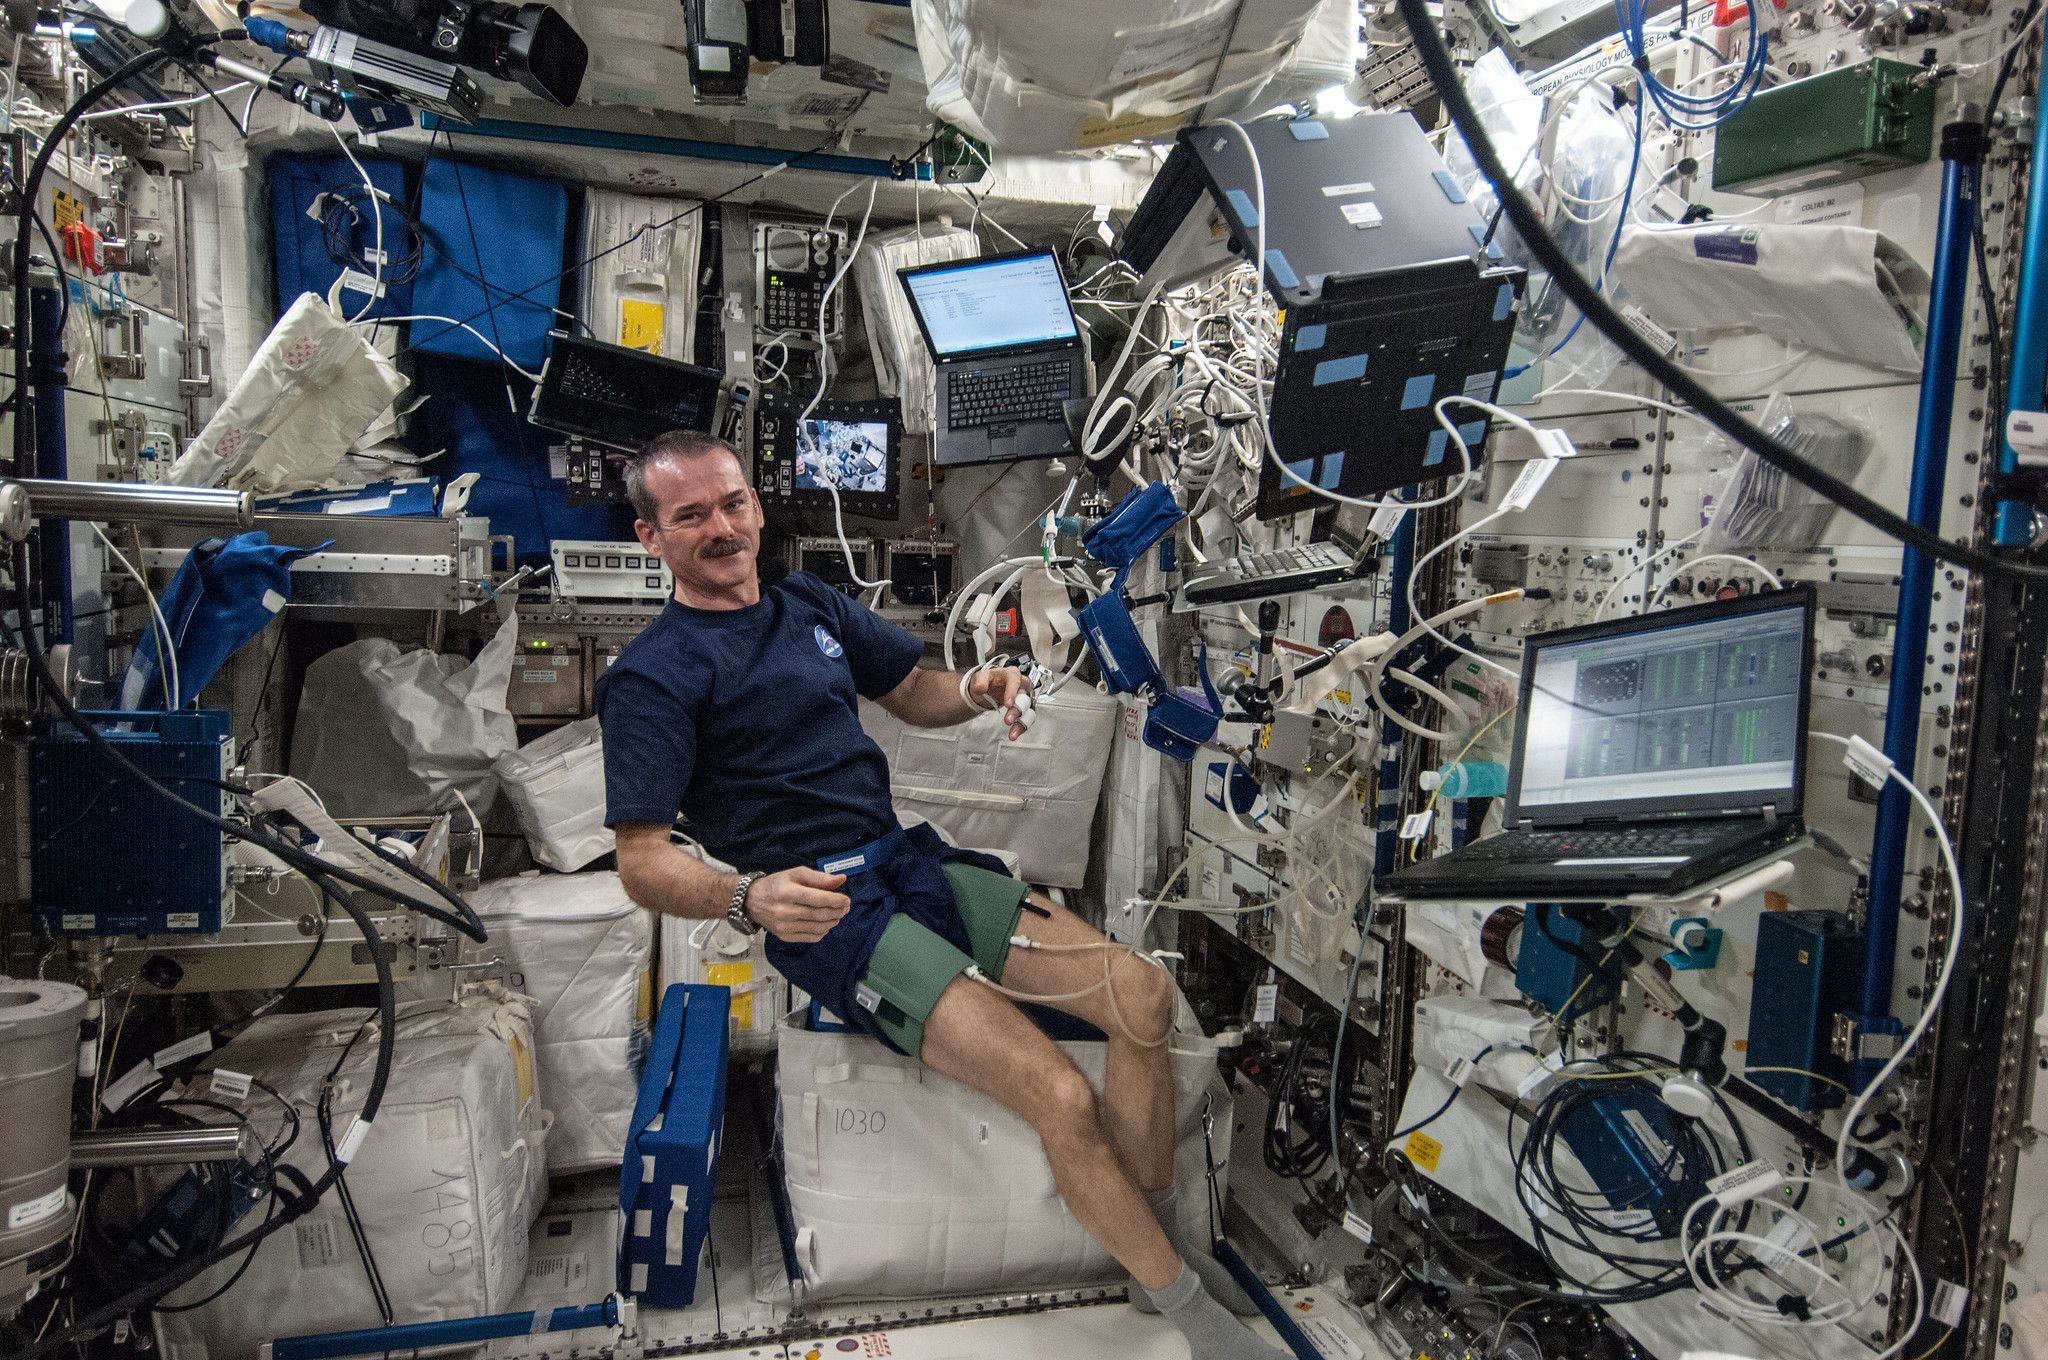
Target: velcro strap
column 839, row 1073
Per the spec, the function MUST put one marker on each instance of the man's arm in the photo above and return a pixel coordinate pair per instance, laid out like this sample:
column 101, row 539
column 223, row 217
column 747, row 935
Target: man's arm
column 931, row 698
column 797, row 906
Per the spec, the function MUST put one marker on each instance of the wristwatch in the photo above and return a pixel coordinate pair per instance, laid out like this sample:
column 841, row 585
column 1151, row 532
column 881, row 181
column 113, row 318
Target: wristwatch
column 736, row 910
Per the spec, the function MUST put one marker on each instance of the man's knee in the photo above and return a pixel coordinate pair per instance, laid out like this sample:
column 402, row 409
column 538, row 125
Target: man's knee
column 1144, row 996
column 1065, row 1106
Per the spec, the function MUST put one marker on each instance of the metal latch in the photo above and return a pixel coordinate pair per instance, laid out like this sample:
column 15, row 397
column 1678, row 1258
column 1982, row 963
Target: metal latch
column 124, row 355
column 198, row 376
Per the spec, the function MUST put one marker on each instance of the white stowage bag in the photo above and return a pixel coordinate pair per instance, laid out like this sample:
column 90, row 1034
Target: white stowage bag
column 903, row 363
column 640, row 285
column 713, row 952
column 1063, row 74
column 447, row 1182
column 1034, row 796
column 314, row 387
column 384, row 731
column 581, row 949
column 906, row 1184
column 555, row 784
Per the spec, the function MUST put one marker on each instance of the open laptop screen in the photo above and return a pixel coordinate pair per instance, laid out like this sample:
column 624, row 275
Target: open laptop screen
column 1004, row 302
column 1698, row 710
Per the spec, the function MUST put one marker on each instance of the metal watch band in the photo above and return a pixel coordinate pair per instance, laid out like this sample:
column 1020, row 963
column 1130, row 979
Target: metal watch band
column 736, row 910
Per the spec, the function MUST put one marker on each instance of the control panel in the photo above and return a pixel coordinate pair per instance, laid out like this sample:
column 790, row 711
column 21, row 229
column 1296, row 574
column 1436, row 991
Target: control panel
column 589, row 569
column 793, row 265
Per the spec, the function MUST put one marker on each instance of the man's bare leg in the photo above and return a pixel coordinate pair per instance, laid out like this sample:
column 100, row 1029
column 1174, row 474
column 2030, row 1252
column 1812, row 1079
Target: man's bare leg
column 1137, row 1088
column 977, row 1037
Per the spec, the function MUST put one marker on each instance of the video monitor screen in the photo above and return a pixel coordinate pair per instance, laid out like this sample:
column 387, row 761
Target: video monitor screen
column 852, row 455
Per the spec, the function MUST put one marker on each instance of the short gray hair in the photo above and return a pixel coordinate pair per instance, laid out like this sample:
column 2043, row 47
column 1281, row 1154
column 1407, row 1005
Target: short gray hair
column 676, row 444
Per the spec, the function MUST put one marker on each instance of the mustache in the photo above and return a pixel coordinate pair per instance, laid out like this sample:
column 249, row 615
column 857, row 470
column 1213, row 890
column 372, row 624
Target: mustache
column 724, row 547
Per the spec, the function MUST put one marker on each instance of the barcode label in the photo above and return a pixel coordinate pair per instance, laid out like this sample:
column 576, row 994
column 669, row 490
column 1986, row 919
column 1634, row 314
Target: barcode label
column 1357, row 1226
column 226, row 1082
column 1267, row 1004
column 564, row 1274
column 1950, row 1302
column 1417, row 824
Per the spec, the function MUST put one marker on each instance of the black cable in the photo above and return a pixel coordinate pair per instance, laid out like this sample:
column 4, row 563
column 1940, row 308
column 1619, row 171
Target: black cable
column 190, row 70
column 303, row 1201
column 1443, row 75
column 324, row 1111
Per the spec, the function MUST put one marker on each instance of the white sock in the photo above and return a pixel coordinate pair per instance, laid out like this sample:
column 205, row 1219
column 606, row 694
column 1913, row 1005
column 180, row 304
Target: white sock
column 1215, row 1276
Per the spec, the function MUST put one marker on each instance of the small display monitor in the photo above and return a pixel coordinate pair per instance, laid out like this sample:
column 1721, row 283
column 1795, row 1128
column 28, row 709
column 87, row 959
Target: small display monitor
column 854, row 447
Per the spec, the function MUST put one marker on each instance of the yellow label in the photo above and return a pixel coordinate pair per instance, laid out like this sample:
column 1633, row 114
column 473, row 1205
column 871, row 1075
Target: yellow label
column 1107, row 132
column 1424, row 1150
column 522, row 1064
column 734, row 975
column 643, row 1004
column 65, row 211
column 1342, row 696
column 641, row 323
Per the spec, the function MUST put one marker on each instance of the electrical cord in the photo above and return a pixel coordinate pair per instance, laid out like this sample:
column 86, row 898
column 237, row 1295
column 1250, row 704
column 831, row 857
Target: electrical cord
column 1443, row 75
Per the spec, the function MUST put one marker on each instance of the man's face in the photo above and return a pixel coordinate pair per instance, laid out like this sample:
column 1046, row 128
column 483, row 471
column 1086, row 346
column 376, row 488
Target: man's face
column 708, row 527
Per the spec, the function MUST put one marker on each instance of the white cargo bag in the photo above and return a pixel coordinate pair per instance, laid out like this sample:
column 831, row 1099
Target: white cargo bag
column 713, row 952
column 1064, row 74
column 1034, row 796
column 555, row 784
column 384, row 731
column 906, row 1184
column 582, row 950
column 447, row 1182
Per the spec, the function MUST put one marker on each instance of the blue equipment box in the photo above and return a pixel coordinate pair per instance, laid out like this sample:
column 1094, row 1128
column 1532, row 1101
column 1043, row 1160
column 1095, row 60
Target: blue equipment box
column 107, row 856
column 1625, row 1141
column 1808, row 965
column 671, row 1162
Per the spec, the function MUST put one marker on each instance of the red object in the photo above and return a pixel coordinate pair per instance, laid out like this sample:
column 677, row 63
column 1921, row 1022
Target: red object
column 1730, row 12
column 82, row 247
column 1004, row 624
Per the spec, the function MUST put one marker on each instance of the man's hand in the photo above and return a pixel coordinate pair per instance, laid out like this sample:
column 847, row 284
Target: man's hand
column 1006, row 688
column 798, row 906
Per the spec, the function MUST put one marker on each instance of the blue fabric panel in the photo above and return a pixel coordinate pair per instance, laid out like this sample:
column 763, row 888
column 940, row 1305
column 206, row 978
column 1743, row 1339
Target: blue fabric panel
column 1309, row 130
column 299, row 258
column 1438, row 443
column 1310, row 337
column 467, row 416
column 1305, row 469
column 1418, row 391
column 1472, row 431
column 508, row 231
column 1504, row 302
column 1282, row 272
column 1448, row 182
column 1247, row 211
column 1332, row 472
column 214, row 604
column 1340, row 370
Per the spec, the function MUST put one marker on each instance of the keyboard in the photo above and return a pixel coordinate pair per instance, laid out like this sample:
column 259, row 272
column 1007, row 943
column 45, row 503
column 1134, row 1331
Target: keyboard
column 586, row 382
column 1264, row 575
column 1622, row 843
column 999, row 396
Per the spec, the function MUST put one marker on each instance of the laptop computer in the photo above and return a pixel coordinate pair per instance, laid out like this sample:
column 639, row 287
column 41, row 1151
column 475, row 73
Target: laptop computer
column 1650, row 755
column 1008, row 351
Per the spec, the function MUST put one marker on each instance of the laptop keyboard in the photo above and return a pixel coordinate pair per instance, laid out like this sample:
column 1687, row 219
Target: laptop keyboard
column 1025, row 392
column 1622, row 843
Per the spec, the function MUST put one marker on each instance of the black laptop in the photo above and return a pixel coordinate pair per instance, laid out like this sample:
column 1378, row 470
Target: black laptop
column 1650, row 755
column 1008, row 353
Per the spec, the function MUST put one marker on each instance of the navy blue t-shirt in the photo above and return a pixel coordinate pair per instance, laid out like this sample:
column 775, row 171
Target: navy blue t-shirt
column 745, row 721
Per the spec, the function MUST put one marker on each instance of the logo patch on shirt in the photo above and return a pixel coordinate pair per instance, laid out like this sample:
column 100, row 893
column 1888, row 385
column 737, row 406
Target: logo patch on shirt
column 827, row 644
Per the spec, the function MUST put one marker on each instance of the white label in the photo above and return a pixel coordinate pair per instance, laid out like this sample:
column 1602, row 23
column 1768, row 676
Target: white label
column 1385, row 520
column 1534, row 474
column 1297, row 948
column 840, row 866
column 352, row 1141
column 1281, row 1119
column 181, row 920
column 1460, row 1071
column 2027, row 432
column 1950, row 1301
column 319, row 1243
column 1212, row 881
column 191, row 1047
column 1747, row 1181
column 121, row 1330
column 230, row 1083
column 1629, row 1219
column 567, row 1273
column 1357, row 1226
column 356, row 281
column 128, row 1085
column 1639, row 321
column 1538, row 1075
column 31, row 1212
column 1267, row 1003
column 1416, row 825
column 1363, row 186
column 1842, row 203
column 1652, row 1141
column 1329, row 1339
column 1171, row 47
column 79, row 921
column 538, row 677
column 1362, row 215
